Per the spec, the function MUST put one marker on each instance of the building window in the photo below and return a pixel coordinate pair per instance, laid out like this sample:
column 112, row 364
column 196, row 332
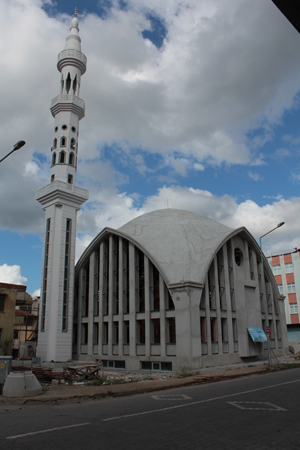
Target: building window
column 293, row 308
column 96, row 333
column 291, row 288
column 125, row 277
column 53, row 159
column 2, row 297
column 115, row 333
column 70, row 178
column 115, row 275
column 71, row 159
column 45, row 275
column 154, row 289
column 280, row 288
column 126, row 332
column 203, row 328
column 224, row 327
column 62, row 157
column 52, row 178
column 64, row 127
column 238, row 256
column 140, row 280
column 84, row 333
column 1, row 337
column 63, row 142
column 171, row 331
column 141, row 339
column 276, row 270
column 289, row 268
column 213, row 329
column 73, row 129
column 66, row 276
column 155, row 331
column 72, row 144
column 105, row 333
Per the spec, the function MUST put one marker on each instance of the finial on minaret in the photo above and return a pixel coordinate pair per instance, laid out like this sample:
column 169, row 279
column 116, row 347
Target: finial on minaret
column 75, row 13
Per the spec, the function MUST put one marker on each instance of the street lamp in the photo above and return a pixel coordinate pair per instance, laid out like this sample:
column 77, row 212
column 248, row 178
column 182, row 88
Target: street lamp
column 17, row 146
column 264, row 289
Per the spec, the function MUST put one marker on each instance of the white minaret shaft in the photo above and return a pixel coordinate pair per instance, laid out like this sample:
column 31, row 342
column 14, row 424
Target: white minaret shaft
column 61, row 200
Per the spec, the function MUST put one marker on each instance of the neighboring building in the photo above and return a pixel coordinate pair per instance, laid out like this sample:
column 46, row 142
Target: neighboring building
column 26, row 330
column 11, row 295
column 61, row 199
column 286, row 270
column 172, row 290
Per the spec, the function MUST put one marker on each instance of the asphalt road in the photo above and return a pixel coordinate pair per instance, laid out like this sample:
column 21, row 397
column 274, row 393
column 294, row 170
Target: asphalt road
column 257, row 412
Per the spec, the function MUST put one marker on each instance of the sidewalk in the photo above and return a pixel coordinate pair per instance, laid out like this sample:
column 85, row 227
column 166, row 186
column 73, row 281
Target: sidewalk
column 67, row 393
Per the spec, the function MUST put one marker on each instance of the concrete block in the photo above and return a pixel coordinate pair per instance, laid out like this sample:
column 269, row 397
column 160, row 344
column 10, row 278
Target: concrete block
column 295, row 348
column 21, row 384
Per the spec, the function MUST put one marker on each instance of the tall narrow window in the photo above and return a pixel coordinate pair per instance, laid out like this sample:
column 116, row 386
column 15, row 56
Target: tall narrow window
column 141, row 335
column 71, row 159
column 45, row 275
column 213, row 329
column 171, row 331
column 115, row 333
column 70, row 178
column 140, row 280
column 125, row 276
column 72, row 144
column 74, row 85
column 53, row 159
column 155, row 331
column 66, row 276
column 105, row 277
column 154, row 288
column 115, row 275
column 211, row 286
column 105, row 333
column 85, row 296
column 54, row 142
column 62, row 157
column 203, row 328
column 68, row 83
column 63, row 141
column 96, row 333
column 126, row 333
column 2, row 297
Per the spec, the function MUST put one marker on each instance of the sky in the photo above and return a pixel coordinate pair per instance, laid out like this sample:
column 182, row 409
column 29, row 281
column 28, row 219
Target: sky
column 190, row 104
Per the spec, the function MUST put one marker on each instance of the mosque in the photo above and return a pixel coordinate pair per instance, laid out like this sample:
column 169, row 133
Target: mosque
column 170, row 290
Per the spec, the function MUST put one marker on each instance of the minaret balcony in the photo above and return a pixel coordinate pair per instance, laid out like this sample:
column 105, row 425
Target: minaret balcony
column 70, row 57
column 68, row 102
column 59, row 192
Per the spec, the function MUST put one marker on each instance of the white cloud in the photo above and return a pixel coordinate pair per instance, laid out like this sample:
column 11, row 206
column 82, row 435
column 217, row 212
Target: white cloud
column 11, row 274
column 224, row 69
column 36, row 293
column 115, row 212
column 255, row 176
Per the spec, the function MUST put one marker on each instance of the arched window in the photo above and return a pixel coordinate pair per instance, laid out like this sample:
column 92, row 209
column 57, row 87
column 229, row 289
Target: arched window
column 68, row 83
column 54, row 143
column 74, row 85
column 63, row 142
column 53, row 159
column 73, row 142
column 62, row 157
column 71, row 159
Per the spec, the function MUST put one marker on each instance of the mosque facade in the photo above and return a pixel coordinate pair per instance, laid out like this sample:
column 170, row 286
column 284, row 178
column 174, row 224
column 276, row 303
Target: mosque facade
column 170, row 290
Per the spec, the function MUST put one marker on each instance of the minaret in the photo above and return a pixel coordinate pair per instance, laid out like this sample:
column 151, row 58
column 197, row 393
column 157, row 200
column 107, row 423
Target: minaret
column 61, row 199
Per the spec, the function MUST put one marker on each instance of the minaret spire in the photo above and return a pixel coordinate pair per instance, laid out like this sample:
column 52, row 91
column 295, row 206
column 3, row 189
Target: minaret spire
column 75, row 13
column 61, row 199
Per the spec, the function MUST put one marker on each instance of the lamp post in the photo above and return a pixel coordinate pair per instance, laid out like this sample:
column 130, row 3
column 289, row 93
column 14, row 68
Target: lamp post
column 17, row 146
column 264, row 289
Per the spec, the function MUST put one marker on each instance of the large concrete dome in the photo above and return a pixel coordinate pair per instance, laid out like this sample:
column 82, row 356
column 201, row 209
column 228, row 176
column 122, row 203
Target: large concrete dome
column 182, row 243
